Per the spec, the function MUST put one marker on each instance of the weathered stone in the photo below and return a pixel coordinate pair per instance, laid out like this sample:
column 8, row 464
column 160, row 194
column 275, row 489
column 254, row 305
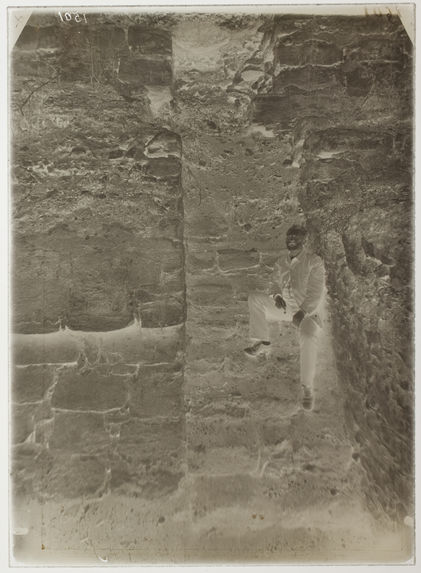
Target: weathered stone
column 149, row 40
column 200, row 259
column 284, row 110
column 29, row 384
column 209, row 291
column 241, row 158
column 29, row 464
column 207, row 225
column 138, row 70
column 77, row 390
column 211, row 492
column 163, row 167
column 376, row 47
column 164, row 144
column 308, row 78
column 150, row 456
column 145, row 440
column 337, row 141
column 78, row 433
column 140, row 481
column 99, row 301
column 311, row 52
column 134, row 344
column 127, row 345
column 23, row 421
column 57, row 347
column 75, row 477
column 235, row 258
column 217, row 431
column 163, row 313
column 110, row 37
column 156, row 391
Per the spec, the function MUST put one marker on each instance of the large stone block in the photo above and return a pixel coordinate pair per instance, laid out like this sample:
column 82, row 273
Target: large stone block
column 75, row 432
column 149, row 457
column 290, row 53
column 371, row 24
column 141, row 70
column 359, row 78
column 29, row 464
column 200, row 258
column 127, row 345
column 164, row 168
column 164, row 144
column 220, row 431
column 212, row 223
column 55, row 347
column 338, row 141
column 285, row 111
column 23, row 421
column 212, row 492
column 110, row 38
column 150, row 40
column 308, row 78
column 75, row 477
column 34, row 37
column 156, row 391
column 152, row 439
column 76, row 390
column 231, row 258
column 135, row 344
column 142, row 480
column 377, row 47
column 163, row 313
column 30, row 383
column 330, row 168
column 89, row 284
column 209, row 291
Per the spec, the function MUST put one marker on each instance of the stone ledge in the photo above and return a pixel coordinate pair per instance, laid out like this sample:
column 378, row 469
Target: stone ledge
column 127, row 345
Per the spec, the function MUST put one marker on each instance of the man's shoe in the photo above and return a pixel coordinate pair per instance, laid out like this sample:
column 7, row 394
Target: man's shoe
column 307, row 400
column 257, row 349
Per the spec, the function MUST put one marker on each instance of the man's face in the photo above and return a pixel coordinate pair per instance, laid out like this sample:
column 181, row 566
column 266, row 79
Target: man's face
column 295, row 242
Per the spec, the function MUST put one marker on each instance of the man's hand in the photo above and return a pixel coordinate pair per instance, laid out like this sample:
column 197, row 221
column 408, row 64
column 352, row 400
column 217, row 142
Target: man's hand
column 279, row 301
column 298, row 317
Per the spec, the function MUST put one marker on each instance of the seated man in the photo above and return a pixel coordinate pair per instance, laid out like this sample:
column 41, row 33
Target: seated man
column 299, row 287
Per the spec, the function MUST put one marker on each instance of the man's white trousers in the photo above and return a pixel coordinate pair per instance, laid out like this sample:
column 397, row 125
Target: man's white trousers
column 263, row 310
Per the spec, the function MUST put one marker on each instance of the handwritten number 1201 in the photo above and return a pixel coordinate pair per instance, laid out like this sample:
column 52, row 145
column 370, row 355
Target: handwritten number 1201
column 67, row 17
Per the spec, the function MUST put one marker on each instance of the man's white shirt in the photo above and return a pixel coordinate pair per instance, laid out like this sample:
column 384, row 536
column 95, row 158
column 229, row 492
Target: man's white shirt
column 301, row 281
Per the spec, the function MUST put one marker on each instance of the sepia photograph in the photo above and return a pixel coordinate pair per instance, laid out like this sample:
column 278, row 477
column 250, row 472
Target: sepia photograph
column 211, row 314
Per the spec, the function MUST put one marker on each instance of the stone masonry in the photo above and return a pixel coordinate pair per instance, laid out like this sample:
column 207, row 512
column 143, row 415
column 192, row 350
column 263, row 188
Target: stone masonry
column 99, row 286
column 158, row 161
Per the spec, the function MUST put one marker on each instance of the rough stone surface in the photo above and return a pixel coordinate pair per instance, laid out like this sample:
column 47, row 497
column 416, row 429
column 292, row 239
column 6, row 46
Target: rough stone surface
column 89, row 391
column 158, row 160
column 30, row 383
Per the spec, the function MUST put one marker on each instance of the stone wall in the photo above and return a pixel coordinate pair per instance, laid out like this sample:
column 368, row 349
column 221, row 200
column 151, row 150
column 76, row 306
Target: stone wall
column 157, row 163
column 343, row 88
column 98, row 281
column 239, row 200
